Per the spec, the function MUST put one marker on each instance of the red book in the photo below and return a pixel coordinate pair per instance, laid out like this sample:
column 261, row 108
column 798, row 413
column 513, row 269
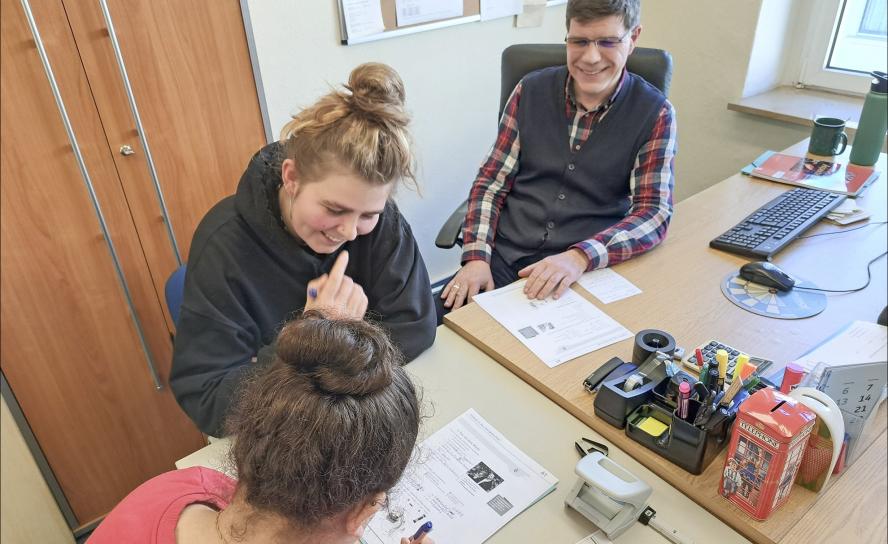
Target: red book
column 846, row 179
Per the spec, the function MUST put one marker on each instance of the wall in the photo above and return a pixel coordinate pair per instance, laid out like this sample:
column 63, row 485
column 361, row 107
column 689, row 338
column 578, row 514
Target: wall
column 29, row 512
column 452, row 81
column 712, row 43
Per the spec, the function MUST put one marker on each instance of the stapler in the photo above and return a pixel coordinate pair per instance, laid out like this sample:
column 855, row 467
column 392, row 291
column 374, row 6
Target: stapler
column 607, row 494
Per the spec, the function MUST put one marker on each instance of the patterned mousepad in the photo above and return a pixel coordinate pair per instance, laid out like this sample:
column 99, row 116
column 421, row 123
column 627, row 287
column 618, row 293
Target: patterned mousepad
column 769, row 302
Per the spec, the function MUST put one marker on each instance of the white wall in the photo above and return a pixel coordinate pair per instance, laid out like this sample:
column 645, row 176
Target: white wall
column 29, row 513
column 452, row 81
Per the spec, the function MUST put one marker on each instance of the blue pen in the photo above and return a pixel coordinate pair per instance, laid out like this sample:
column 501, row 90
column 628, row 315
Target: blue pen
column 312, row 293
column 422, row 531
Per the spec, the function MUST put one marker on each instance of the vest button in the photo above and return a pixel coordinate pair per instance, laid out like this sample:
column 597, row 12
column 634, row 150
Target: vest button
column 550, row 225
column 577, row 147
column 561, row 196
column 571, row 166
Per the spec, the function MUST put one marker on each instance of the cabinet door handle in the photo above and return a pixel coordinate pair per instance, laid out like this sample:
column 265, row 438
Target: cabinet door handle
column 131, row 98
column 84, row 173
column 127, row 150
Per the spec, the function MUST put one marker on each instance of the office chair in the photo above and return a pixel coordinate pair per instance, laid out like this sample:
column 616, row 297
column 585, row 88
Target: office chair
column 173, row 291
column 654, row 65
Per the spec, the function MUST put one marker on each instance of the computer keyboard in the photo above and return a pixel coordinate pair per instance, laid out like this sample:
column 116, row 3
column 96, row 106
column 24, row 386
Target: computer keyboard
column 774, row 225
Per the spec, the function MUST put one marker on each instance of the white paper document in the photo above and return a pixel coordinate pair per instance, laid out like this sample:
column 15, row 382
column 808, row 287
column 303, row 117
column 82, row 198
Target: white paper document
column 412, row 12
column 556, row 331
column 607, row 286
column 468, row 480
column 859, row 342
column 492, row 9
column 533, row 13
column 362, row 17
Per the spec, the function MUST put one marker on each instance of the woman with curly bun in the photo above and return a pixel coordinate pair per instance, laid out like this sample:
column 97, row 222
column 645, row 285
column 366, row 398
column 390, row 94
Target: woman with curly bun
column 320, row 434
column 311, row 226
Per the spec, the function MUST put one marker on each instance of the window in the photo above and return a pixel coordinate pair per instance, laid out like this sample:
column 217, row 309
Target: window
column 844, row 42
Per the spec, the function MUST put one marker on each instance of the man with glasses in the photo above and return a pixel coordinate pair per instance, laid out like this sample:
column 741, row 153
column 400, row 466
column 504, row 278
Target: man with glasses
column 581, row 174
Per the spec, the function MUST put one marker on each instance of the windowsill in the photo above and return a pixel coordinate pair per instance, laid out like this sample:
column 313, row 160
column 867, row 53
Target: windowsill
column 800, row 106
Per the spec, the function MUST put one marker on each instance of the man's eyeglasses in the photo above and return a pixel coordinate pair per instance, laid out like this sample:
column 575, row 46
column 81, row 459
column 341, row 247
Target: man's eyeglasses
column 600, row 43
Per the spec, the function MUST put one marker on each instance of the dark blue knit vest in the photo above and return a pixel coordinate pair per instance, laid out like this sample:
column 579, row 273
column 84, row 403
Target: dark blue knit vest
column 563, row 195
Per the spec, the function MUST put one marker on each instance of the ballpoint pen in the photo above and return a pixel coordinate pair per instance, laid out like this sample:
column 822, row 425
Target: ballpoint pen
column 422, row 531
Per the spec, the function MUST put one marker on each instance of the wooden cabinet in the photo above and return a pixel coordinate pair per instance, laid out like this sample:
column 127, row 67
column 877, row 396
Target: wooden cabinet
column 71, row 349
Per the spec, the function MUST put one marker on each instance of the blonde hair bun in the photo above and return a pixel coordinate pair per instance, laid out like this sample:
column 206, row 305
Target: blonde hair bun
column 362, row 127
column 377, row 89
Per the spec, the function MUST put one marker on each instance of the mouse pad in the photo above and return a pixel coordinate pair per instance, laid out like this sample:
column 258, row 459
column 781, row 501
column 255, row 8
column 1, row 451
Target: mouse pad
column 761, row 300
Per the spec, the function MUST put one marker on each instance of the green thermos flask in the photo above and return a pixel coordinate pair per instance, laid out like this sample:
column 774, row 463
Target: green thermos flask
column 873, row 123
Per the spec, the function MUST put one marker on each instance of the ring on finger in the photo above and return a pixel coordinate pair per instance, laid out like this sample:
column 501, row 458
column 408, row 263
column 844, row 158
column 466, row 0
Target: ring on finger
column 456, row 287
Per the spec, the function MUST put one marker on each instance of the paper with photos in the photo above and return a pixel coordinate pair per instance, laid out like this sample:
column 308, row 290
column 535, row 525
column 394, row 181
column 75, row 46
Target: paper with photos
column 467, row 479
column 556, row 331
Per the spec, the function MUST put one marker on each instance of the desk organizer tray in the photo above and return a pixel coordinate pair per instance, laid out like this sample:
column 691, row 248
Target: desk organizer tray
column 686, row 445
column 652, row 406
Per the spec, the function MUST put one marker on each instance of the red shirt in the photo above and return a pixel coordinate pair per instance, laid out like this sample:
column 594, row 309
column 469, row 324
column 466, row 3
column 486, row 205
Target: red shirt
column 150, row 513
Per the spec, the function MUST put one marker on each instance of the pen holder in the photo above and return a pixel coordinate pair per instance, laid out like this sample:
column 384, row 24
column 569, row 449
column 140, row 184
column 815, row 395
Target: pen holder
column 680, row 441
column 666, row 392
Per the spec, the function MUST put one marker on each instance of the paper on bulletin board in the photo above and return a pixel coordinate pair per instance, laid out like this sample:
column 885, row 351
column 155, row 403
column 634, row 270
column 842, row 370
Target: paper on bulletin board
column 493, row 9
column 533, row 13
column 362, row 17
column 412, row 12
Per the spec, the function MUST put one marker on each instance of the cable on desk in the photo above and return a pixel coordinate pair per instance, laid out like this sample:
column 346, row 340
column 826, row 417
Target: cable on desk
column 843, row 230
column 869, row 278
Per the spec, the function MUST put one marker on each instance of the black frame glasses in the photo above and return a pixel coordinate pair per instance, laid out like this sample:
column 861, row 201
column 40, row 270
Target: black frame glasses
column 601, row 43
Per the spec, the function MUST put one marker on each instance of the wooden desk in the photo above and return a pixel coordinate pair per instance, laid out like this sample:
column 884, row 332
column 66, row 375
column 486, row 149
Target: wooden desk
column 680, row 283
column 455, row 376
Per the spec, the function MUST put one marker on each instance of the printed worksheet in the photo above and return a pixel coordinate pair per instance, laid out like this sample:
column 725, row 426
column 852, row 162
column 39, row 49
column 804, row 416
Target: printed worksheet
column 859, row 342
column 467, row 479
column 411, row 12
column 556, row 331
column 607, row 286
column 493, row 9
column 362, row 17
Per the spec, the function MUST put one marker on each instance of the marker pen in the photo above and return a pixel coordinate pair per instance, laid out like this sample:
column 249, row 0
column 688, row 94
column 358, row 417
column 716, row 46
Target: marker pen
column 721, row 356
column 742, row 361
column 684, row 394
column 312, row 293
column 712, row 380
column 422, row 531
column 700, row 360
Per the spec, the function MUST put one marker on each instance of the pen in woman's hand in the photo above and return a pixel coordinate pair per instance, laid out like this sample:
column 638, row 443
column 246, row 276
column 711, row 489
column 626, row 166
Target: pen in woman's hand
column 421, row 532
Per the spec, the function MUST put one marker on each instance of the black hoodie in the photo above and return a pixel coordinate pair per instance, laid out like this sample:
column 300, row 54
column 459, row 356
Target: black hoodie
column 247, row 276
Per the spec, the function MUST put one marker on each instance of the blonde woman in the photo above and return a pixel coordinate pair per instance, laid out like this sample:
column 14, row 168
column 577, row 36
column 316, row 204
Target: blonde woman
column 311, row 226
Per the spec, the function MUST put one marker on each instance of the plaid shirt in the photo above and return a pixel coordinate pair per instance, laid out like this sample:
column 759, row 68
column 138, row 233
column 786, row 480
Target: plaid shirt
column 651, row 181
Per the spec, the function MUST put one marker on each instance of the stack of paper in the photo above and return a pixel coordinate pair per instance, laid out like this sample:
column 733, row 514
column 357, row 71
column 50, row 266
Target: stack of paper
column 847, row 212
column 468, row 480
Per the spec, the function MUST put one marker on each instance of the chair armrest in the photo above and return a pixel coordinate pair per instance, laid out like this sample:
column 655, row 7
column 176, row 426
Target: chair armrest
column 449, row 235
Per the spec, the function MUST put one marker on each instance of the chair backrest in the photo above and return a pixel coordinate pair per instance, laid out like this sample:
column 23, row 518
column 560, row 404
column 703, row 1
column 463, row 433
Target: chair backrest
column 654, row 65
column 173, row 291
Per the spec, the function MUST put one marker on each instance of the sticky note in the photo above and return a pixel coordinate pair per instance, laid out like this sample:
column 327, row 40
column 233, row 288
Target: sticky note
column 652, row 426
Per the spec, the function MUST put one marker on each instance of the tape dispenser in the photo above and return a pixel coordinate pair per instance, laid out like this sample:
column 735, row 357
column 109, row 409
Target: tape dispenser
column 607, row 494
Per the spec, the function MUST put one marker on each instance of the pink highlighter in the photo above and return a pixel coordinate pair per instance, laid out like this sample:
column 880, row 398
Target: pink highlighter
column 684, row 395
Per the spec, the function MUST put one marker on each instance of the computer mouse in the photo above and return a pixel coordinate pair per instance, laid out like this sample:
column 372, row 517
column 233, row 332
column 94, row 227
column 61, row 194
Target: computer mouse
column 767, row 274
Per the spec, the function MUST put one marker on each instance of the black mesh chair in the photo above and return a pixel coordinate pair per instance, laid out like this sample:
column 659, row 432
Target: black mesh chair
column 654, row 65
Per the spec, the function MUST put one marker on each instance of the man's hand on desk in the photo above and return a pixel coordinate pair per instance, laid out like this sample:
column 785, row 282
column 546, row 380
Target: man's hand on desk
column 554, row 274
column 471, row 279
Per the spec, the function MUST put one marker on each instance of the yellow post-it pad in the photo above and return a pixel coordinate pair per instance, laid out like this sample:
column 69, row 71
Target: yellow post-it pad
column 652, row 426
